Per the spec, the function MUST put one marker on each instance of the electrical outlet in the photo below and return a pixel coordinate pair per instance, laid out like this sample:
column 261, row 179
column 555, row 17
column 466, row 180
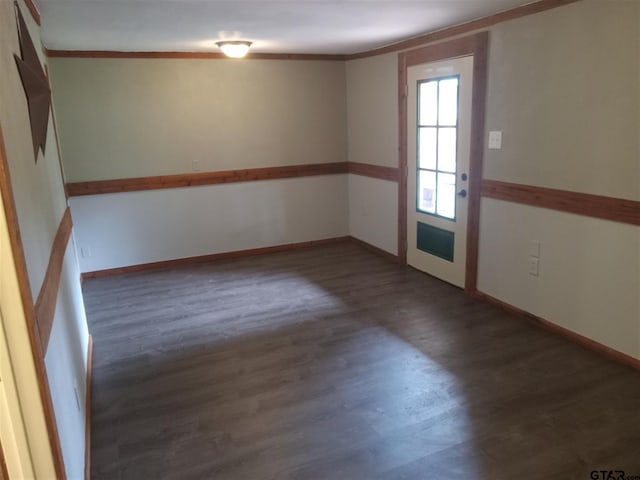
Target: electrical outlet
column 495, row 140
column 195, row 165
column 534, row 266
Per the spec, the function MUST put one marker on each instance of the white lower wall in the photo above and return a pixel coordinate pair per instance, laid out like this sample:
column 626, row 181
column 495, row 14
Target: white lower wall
column 66, row 361
column 589, row 268
column 589, row 278
column 116, row 230
column 373, row 212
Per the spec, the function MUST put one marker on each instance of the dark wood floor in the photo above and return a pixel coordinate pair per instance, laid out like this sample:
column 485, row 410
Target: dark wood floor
column 333, row 363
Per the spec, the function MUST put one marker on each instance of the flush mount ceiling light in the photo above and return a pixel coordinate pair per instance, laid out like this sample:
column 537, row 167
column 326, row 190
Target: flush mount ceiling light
column 234, row 48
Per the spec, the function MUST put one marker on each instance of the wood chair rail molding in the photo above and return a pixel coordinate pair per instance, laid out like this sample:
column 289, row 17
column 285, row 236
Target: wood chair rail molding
column 35, row 13
column 189, row 55
column 96, row 187
column 203, row 178
column 374, row 171
column 45, row 305
column 597, row 206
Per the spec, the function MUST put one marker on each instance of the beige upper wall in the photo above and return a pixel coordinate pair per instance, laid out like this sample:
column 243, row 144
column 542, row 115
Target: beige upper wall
column 37, row 187
column 39, row 201
column 19, row 388
column 372, row 110
column 565, row 91
column 123, row 118
column 564, row 88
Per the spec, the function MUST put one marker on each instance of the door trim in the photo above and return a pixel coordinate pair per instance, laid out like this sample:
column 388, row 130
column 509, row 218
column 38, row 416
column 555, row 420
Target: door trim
column 6, row 190
column 477, row 46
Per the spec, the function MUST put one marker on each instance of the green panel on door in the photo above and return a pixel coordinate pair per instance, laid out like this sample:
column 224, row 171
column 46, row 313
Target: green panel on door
column 435, row 241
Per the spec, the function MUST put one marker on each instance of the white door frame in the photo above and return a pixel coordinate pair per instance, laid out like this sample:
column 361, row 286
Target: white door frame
column 22, row 347
column 451, row 270
column 475, row 45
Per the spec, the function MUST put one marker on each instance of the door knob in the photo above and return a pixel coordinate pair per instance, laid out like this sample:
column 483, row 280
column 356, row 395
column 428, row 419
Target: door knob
column 462, row 193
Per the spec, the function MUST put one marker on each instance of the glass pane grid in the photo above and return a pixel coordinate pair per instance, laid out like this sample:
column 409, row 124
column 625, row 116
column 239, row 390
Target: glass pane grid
column 437, row 146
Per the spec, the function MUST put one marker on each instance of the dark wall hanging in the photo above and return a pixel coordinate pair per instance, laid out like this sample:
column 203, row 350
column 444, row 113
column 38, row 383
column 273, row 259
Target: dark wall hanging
column 36, row 86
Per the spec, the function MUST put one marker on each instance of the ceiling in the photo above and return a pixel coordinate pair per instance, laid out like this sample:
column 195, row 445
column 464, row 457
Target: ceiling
column 293, row 26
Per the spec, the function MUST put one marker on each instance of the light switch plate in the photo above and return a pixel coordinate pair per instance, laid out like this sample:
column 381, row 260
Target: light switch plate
column 535, row 248
column 495, row 140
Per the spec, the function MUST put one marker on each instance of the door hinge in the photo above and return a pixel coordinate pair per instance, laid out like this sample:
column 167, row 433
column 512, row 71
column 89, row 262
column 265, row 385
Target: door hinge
column 406, row 90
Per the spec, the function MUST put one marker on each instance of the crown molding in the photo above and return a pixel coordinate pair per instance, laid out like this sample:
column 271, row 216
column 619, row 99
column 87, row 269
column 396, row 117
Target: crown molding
column 445, row 33
column 189, row 55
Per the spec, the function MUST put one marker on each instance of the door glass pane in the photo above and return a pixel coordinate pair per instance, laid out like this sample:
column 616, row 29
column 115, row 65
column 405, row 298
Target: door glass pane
column 428, row 108
column 428, row 144
column 448, row 104
column 447, row 149
column 427, row 191
column 446, row 195
column 437, row 146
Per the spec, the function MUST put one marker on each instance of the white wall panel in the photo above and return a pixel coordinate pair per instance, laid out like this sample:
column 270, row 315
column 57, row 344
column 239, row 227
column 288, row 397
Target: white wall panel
column 589, row 280
column 373, row 212
column 38, row 191
column 564, row 88
column 66, row 362
column 140, row 227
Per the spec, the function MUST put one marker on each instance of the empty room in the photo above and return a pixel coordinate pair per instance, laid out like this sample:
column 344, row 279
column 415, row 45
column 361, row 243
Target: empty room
column 320, row 239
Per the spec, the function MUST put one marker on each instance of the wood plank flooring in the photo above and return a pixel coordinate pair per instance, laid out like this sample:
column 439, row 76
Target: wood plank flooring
column 333, row 363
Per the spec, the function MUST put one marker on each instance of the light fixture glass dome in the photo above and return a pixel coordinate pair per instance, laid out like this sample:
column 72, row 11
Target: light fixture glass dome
column 234, row 48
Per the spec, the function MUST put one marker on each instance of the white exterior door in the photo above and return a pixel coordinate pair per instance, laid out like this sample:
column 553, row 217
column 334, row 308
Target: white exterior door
column 438, row 148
